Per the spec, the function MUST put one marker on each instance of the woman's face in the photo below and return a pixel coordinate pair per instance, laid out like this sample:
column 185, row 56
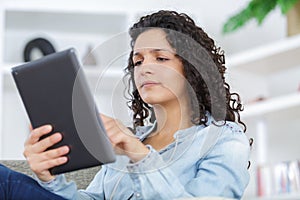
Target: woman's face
column 158, row 73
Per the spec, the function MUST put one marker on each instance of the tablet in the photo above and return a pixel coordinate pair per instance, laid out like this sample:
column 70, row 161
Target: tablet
column 54, row 91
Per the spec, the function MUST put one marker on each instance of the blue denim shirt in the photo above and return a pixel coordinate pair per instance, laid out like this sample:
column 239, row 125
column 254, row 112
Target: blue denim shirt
column 202, row 161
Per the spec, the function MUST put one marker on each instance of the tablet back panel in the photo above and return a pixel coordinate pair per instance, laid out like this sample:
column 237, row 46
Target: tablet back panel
column 54, row 91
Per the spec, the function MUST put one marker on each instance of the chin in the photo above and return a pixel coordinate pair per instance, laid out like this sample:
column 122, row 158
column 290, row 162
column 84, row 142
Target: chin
column 150, row 101
column 154, row 100
column 160, row 97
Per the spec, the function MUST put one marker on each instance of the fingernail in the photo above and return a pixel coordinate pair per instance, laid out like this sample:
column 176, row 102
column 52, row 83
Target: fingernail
column 57, row 136
column 48, row 128
column 65, row 149
column 63, row 159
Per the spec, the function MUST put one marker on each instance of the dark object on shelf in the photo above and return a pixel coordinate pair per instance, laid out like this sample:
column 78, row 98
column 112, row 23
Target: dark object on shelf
column 41, row 44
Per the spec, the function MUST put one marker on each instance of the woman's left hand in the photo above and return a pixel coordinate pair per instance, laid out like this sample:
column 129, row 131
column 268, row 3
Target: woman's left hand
column 123, row 140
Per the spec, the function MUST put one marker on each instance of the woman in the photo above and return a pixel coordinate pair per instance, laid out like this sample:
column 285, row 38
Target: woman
column 195, row 146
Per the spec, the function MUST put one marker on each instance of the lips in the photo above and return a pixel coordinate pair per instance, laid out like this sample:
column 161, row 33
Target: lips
column 149, row 83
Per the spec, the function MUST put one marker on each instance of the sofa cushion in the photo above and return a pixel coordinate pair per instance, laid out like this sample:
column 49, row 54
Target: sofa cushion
column 81, row 177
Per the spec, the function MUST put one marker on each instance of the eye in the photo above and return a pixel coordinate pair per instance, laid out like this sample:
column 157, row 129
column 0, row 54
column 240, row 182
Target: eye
column 137, row 63
column 161, row 59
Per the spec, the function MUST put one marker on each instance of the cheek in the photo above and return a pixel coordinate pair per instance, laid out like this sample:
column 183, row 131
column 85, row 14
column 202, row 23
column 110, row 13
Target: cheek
column 177, row 87
column 174, row 80
column 135, row 75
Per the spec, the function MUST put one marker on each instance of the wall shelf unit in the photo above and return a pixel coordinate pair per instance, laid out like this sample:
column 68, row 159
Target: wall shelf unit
column 273, row 105
column 270, row 72
column 268, row 59
column 280, row 197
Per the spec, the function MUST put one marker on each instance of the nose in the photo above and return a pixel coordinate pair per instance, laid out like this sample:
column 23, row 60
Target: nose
column 146, row 67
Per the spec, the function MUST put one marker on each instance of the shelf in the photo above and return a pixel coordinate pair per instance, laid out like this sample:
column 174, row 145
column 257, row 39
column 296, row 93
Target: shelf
column 66, row 22
column 90, row 71
column 280, row 197
column 97, row 78
column 72, row 23
column 56, row 6
column 94, row 71
column 78, row 6
column 269, row 58
column 272, row 105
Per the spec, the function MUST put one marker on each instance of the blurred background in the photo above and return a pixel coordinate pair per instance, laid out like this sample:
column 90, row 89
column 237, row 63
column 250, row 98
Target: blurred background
column 263, row 66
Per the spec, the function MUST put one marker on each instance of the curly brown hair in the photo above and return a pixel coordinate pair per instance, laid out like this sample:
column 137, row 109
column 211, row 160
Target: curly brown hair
column 204, row 69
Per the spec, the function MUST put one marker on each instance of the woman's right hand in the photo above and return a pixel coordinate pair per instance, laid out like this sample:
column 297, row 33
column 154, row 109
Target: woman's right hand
column 38, row 157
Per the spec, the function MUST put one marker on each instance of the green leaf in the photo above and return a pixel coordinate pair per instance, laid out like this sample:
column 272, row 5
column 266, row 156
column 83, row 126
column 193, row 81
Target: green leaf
column 236, row 21
column 261, row 8
column 286, row 5
column 257, row 9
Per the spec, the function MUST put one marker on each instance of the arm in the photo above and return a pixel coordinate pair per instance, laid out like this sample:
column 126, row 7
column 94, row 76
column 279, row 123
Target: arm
column 222, row 172
column 68, row 190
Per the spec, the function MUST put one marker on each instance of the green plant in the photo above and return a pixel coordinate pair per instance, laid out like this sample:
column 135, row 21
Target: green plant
column 257, row 9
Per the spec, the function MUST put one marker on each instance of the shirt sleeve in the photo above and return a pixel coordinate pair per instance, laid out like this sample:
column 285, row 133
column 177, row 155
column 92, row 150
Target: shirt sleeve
column 222, row 172
column 68, row 190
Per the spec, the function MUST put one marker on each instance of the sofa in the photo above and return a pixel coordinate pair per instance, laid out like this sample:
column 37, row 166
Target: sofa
column 81, row 177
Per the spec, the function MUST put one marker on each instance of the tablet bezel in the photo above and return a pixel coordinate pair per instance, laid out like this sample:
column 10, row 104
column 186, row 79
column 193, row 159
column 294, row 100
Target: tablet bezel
column 89, row 146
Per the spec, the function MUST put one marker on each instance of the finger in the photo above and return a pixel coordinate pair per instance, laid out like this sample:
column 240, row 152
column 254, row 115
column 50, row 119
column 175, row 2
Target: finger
column 48, row 164
column 105, row 118
column 115, row 128
column 42, row 145
column 37, row 133
column 119, row 129
column 116, row 142
column 55, row 153
column 46, row 143
column 112, row 131
column 124, row 129
column 35, row 159
column 117, row 138
column 30, row 127
column 115, row 123
column 110, row 125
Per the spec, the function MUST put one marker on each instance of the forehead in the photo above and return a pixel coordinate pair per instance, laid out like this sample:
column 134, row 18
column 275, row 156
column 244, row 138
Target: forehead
column 152, row 39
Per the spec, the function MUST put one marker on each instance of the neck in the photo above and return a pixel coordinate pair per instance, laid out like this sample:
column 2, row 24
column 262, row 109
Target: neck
column 172, row 117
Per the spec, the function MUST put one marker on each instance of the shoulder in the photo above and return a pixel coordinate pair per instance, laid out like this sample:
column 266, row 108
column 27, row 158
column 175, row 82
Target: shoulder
column 227, row 139
column 226, row 131
column 233, row 131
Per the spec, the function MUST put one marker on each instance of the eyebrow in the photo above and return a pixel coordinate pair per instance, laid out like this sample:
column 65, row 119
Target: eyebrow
column 153, row 50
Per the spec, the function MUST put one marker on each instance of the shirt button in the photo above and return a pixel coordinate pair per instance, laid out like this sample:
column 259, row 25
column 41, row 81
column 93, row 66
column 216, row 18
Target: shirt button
column 138, row 195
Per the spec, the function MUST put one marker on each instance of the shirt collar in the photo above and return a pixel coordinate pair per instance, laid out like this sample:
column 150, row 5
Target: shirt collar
column 143, row 132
